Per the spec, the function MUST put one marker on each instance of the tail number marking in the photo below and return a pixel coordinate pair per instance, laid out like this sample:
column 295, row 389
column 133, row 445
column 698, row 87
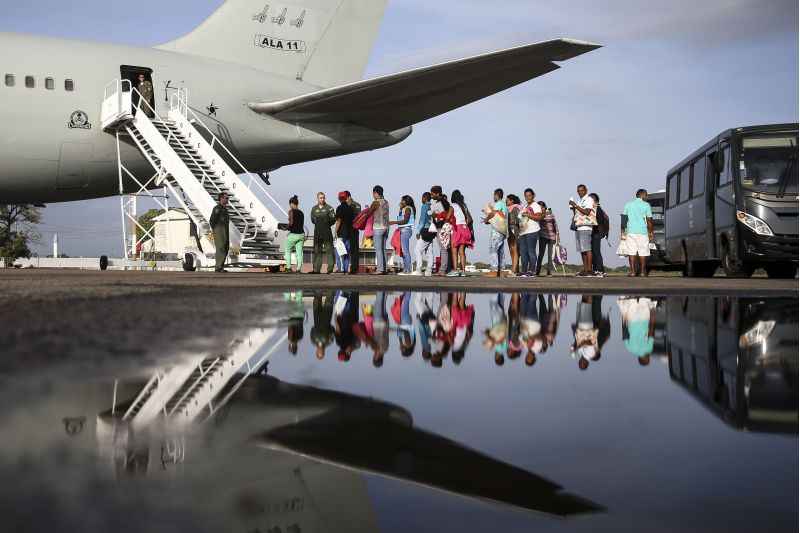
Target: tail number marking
column 287, row 45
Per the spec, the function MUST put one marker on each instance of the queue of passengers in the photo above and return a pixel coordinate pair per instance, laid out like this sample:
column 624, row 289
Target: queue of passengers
column 526, row 226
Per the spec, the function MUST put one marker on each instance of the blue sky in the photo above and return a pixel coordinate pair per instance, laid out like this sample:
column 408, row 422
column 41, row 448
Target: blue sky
column 670, row 76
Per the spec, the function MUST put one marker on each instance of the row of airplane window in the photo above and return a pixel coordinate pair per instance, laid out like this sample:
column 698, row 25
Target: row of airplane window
column 30, row 83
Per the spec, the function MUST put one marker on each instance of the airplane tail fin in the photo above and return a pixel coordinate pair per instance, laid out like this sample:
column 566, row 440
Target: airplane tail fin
column 322, row 42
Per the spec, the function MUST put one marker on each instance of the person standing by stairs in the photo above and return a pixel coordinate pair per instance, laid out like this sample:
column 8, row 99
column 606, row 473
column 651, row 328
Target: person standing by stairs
column 297, row 235
column 323, row 217
column 220, row 221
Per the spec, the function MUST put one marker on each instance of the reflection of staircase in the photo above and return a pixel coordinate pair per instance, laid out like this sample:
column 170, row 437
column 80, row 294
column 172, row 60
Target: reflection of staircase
column 194, row 391
column 196, row 166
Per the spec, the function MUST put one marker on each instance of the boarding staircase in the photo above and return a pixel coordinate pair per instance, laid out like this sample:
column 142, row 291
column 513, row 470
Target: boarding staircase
column 196, row 167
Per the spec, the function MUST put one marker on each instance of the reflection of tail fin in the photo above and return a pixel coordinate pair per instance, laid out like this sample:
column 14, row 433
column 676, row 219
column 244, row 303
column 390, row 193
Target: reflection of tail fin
column 327, row 42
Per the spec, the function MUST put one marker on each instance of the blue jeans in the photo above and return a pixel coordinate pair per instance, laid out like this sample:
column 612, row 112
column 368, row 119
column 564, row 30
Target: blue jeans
column 405, row 240
column 343, row 261
column 496, row 242
column 527, row 252
column 379, row 238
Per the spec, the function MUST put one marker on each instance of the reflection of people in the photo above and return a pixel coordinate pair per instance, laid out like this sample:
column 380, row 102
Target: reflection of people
column 346, row 320
column 463, row 316
column 591, row 329
column 374, row 329
column 497, row 335
column 294, row 329
column 638, row 326
column 426, row 321
column 406, row 335
column 322, row 333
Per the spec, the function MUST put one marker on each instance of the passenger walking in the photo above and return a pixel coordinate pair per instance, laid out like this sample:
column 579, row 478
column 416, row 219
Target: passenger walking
column 355, row 248
column 600, row 232
column 637, row 232
column 497, row 218
column 406, row 220
column 297, row 235
column 344, row 232
column 514, row 211
column 425, row 236
column 442, row 213
column 462, row 234
column 584, row 218
column 323, row 217
column 529, row 234
column 380, row 227
column 548, row 239
column 220, row 222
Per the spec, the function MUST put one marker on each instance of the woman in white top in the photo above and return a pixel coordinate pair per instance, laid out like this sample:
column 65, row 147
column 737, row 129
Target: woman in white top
column 462, row 234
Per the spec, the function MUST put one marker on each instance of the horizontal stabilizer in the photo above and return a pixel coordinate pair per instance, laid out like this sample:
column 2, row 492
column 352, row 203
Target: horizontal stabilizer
column 399, row 100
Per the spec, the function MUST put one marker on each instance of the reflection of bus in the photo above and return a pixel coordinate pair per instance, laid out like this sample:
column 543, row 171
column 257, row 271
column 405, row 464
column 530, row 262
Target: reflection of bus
column 733, row 203
column 738, row 357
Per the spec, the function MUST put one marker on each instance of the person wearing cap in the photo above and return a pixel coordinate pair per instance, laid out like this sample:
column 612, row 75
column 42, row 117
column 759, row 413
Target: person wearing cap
column 219, row 222
column 344, row 231
column 355, row 248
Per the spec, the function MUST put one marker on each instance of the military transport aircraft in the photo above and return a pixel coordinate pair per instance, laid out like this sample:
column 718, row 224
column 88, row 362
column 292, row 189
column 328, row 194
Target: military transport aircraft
column 267, row 84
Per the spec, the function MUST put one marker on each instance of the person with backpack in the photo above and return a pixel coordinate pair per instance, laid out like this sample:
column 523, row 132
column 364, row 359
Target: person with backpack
column 548, row 239
column 425, row 236
column 599, row 232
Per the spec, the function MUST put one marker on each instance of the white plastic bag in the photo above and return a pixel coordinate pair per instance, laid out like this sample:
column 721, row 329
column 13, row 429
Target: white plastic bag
column 341, row 249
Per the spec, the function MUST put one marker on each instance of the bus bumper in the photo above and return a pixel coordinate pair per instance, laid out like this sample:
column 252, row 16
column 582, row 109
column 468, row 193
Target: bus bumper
column 767, row 249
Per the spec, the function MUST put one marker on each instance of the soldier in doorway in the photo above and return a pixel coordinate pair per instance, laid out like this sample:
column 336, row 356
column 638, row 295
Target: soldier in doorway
column 355, row 249
column 145, row 88
column 323, row 216
column 220, row 221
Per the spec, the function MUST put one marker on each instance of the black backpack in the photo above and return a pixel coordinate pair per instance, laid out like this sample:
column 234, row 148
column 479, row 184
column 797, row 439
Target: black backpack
column 603, row 224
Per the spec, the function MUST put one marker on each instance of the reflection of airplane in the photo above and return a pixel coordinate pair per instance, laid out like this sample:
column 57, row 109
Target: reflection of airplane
column 738, row 357
column 357, row 433
column 280, row 19
column 262, row 16
column 298, row 22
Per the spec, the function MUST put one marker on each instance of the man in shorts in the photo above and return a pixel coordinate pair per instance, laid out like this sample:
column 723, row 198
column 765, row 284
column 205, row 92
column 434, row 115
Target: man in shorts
column 638, row 232
column 584, row 218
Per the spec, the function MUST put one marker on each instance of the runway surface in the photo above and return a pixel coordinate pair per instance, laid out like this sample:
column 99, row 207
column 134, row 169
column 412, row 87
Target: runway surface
column 53, row 284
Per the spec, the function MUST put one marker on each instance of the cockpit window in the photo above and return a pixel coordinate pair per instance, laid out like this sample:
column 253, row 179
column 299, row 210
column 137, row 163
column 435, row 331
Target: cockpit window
column 10, row 80
column 30, row 83
column 69, row 85
column 49, row 84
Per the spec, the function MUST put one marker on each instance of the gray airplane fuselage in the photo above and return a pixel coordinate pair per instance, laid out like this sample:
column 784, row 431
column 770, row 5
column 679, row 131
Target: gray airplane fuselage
column 42, row 146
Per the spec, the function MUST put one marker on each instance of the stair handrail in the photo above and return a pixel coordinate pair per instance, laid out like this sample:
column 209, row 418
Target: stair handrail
column 242, row 216
column 180, row 101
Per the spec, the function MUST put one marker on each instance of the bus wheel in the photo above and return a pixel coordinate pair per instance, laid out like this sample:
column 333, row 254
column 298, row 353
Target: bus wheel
column 781, row 270
column 732, row 267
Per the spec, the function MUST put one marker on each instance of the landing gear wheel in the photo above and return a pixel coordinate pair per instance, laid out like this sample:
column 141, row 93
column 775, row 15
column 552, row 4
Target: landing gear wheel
column 781, row 270
column 734, row 268
column 189, row 263
column 274, row 269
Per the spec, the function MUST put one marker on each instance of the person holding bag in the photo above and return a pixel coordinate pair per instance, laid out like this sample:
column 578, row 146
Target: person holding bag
column 497, row 218
column 425, row 236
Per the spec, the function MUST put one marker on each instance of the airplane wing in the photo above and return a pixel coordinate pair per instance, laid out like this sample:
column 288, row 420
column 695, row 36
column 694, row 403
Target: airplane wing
column 392, row 102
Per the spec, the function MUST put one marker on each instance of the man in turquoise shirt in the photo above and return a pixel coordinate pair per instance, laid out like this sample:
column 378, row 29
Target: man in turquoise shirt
column 637, row 232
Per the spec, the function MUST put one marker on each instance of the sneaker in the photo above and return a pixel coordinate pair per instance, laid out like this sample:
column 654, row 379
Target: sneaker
column 453, row 274
column 428, row 274
column 405, row 274
column 415, row 273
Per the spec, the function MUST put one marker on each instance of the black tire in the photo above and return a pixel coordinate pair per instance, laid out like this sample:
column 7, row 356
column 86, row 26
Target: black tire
column 103, row 262
column 733, row 268
column 189, row 264
column 781, row 270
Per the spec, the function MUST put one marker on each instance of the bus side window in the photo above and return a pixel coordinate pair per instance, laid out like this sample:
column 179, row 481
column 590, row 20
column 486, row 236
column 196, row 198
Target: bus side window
column 725, row 175
column 672, row 185
column 685, row 187
column 699, row 181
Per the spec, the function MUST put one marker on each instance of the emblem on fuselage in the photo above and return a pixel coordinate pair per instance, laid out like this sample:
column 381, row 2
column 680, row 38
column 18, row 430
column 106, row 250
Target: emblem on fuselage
column 79, row 120
column 286, row 45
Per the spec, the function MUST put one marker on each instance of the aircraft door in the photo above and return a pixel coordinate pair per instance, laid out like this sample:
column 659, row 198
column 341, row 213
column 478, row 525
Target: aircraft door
column 73, row 165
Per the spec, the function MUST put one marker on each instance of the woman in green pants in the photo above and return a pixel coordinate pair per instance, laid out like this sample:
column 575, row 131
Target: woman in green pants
column 297, row 235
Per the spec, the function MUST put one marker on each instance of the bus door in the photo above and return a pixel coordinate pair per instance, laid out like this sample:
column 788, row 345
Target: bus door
column 724, row 210
column 711, row 189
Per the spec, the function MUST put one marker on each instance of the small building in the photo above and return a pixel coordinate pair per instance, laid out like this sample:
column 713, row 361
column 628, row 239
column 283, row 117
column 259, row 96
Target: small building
column 173, row 232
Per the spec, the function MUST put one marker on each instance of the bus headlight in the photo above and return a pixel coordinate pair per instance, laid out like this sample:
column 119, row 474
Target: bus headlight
column 757, row 334
column 754, row 223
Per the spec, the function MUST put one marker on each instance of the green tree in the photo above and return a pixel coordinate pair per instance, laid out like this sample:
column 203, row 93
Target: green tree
column 18, row 229
column 146, row 221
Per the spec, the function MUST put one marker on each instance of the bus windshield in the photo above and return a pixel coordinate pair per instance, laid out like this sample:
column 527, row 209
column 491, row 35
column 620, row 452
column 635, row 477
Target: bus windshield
column 769, row 163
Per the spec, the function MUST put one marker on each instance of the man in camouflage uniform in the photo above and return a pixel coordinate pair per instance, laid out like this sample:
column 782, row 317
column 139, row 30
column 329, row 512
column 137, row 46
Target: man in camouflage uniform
column 355, row 249
column 322, row 332
column 323, row 216
column 220, row 221
column 145, row 88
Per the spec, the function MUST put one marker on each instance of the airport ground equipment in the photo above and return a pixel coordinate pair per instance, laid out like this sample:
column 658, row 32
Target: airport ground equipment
column 194, row 166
